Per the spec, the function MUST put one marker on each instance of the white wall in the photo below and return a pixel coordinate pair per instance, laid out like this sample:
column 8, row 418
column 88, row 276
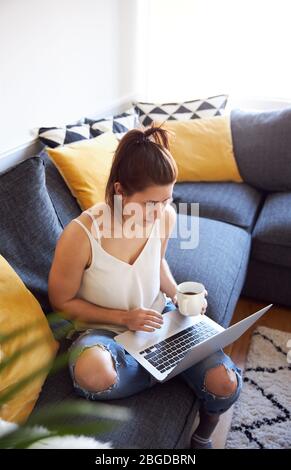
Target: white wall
column 199, row 48
column 62, row 60
column 65, row 59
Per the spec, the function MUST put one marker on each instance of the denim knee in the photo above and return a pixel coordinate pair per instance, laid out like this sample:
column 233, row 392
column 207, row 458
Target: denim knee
column 86, row 340
column 131, row 376
column 195, row 376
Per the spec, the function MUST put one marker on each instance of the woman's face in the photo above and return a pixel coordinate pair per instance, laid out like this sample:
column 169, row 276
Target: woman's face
column 148, row 204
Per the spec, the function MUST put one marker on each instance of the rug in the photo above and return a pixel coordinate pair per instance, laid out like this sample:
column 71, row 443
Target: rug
column 261, row 417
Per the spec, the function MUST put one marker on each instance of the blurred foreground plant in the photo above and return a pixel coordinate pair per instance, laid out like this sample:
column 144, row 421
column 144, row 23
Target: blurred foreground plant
column 50, row 421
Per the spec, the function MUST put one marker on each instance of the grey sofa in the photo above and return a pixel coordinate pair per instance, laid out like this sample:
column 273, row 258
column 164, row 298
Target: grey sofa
column 244, row 247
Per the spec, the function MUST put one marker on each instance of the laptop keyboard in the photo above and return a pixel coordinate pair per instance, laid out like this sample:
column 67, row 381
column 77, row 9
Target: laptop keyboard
column 170, row 351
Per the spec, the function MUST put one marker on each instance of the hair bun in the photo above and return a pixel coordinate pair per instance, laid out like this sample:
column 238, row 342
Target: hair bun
column 160, row 135
column 142, row 139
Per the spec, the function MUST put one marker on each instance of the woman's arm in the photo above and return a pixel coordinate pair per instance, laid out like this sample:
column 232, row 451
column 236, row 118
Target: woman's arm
column 70, row 259
column 168, row 284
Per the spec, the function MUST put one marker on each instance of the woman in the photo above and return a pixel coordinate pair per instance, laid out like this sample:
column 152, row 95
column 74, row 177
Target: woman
column 109, row 276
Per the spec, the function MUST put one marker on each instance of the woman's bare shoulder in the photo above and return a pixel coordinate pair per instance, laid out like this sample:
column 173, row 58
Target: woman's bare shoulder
column 73, row 236
column 86, row 218
column 72, row 249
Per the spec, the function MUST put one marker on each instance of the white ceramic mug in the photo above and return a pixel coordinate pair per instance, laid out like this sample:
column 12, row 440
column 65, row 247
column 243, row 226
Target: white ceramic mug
column 190, row 297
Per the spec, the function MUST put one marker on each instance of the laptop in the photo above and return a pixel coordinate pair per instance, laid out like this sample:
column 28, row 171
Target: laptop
column 181, row 342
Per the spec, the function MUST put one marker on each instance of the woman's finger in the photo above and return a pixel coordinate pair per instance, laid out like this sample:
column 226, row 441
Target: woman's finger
column 152, row 324
column 204, row 307
column 144, row 328
column 175, row 300
column 154, row 319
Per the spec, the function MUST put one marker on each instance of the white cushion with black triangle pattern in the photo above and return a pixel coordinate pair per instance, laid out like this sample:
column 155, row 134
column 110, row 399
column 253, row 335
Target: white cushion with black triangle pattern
column 119, row 124
column 54, row 136
column 195, row 109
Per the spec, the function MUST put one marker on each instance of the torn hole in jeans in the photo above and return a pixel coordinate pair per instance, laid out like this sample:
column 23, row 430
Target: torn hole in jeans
column 232, row 377
column 115, row 363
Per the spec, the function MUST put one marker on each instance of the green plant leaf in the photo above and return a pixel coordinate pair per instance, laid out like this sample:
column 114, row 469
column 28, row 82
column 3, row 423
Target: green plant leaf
column 51, row 366
column 53, row 414
column 27, row 348
column 56, row 418
column 23, row 437
column 51, row 318
column 104, row 417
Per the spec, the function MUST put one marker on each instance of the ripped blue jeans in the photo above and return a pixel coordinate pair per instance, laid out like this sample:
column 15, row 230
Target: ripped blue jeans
column 132, row 378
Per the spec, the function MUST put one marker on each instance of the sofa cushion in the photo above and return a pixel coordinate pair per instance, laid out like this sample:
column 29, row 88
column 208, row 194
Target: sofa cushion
column 29, row 226
column 272, row 232
column 55, row 136
column 234, row 203
column 261, row 143
column 161, row 417
column 195, row 109
column 32, row 351
column 219, row 261
column 119, row 124
column 269, row 283
column 66, row 206
column 85, row 167
column 202, row 149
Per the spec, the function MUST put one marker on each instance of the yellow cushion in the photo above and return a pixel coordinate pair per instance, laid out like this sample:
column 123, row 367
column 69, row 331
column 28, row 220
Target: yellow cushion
column 203, row 149
column 19, row 308
column 85, row 167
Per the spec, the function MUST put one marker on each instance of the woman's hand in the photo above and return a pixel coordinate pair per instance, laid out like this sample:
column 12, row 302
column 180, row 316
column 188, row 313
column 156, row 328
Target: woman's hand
column 143, row 319
column 175, row 300
column 205, row 303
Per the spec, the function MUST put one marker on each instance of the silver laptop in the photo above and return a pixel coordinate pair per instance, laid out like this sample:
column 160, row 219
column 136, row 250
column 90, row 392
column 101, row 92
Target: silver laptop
column 181, row 342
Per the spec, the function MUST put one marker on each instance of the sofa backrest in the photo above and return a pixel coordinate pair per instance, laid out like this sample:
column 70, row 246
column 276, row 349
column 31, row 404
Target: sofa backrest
column 262, row 148
column 65, row 204
column 35, row 206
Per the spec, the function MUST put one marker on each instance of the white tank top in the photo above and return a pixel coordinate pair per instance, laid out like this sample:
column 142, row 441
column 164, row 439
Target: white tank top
column 113, row 283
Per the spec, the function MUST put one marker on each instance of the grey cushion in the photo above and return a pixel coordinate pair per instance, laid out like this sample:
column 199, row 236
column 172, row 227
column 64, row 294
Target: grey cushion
column 65, row 204
column 235, row 203
column 272, row 233
column 262, row 148
column 269, row 283
column 29, row 226
column 162, row 417
column 219, row 262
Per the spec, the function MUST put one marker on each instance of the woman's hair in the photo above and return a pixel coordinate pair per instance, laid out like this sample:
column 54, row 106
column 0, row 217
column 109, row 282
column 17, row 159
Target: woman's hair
column 141, row 159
